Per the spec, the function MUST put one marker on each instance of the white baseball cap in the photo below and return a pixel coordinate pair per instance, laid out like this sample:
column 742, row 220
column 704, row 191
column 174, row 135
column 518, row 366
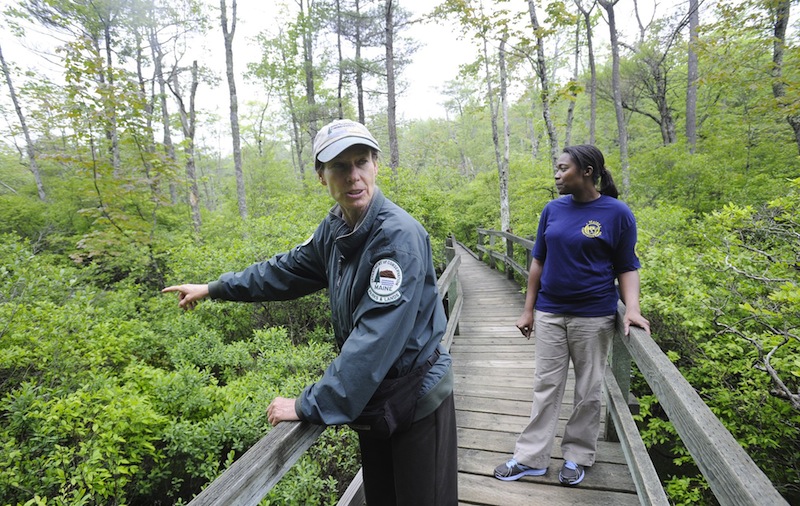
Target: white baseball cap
column 339, row 135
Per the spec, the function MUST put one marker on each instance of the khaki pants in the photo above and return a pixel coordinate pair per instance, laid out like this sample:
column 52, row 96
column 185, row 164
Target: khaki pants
column 560, row 338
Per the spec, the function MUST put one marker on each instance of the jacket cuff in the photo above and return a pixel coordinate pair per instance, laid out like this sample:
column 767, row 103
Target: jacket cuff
column 297, row 409
column 214, row 289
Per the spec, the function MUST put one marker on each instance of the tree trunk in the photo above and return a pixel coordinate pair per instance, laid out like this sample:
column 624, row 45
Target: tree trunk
column 308, row 67
column 505, row 215
column 297, row 141
column 359, row 70
column 234, row 104
column 541, row 69
column 110, row 109
column 622, row 129
column 340, row 84
column 692, row 71
column 573, row 94
column 188, row 123
column 32, row 165
column 169, row 147
column 587, row 17
column 492, row 108
column 781, row 14
column 391, row 109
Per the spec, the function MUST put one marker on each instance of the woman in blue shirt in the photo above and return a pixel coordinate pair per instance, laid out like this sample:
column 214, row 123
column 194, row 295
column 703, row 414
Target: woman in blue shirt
column 585, row 242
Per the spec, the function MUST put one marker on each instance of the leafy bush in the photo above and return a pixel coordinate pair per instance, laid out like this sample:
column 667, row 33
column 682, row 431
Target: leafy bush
column 723, row 298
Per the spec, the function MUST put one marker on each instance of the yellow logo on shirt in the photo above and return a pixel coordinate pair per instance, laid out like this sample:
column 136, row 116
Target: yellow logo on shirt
column 592, row 229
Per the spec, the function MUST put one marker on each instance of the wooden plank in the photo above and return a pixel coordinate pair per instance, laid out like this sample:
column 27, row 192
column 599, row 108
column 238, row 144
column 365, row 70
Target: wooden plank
column 601, row 476
column 448, row 276
column 476, row 489
column 644, row 475
column 503, row 443
column 500, row 422
column 253, row 474
column 354, row 495
column 503, row 406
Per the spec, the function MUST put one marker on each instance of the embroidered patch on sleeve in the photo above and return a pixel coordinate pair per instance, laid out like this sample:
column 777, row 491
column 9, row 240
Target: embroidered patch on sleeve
column 385, row 281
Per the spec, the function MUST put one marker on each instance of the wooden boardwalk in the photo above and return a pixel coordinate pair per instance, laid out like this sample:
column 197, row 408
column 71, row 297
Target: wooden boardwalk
column 493, row 365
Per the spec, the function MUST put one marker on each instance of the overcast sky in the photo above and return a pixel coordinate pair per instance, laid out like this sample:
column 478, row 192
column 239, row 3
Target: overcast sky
column 436, row 61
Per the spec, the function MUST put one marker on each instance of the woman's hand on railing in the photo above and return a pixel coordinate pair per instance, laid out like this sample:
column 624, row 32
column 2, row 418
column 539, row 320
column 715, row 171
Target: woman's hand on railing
column 637, row 320
column 280, row 410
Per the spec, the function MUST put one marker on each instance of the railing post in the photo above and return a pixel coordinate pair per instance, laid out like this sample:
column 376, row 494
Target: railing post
column 619, row 360
column 491, row 252
column 509, row 259
column 480, row 245
column 452, row 290
column 529, row 254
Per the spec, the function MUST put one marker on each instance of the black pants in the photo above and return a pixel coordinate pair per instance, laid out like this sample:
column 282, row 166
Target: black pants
column 418, row 467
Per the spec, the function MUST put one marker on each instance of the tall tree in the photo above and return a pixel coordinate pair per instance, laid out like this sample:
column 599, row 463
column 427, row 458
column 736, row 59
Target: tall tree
column 505, row 218
column 340, row 81
column 490, row 97
column 541, row 70
column 94, row 28
column 160, row 79
column 391, row 98
column 780, row 10
column 33, row 166
column 228, row 33
column 586, row 12
column 616, row 90
column 652, row 66
column 573, row 84
column 305, row 25
column 691, row 76
column 359, row 70
column 280, row 70
column 362, row 28
column 189, row 122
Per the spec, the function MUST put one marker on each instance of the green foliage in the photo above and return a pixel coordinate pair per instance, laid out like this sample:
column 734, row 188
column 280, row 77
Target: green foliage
column 722, row 296
column 117, row 396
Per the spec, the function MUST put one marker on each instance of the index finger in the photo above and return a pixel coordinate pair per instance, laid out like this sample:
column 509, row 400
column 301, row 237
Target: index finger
column 173, row 288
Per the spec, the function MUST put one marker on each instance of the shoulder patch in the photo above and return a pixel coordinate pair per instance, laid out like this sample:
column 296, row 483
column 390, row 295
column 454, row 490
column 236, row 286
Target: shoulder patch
column 385, row 281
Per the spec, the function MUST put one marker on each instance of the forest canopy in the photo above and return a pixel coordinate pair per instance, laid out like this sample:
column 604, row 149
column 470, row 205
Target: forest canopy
column 119, row 177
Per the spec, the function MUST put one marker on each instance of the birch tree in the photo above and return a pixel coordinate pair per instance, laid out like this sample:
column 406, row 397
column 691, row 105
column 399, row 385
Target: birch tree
column 616, row 90
column 586, row 12
column 505, row 218
column 228, row 33
column 691, row 76
column 29, row 149
column 188, row 122
column 540, row 66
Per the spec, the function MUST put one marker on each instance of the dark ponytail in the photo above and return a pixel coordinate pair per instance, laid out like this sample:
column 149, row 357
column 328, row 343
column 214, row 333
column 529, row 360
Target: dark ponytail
column 586, row 155
column 607, row 186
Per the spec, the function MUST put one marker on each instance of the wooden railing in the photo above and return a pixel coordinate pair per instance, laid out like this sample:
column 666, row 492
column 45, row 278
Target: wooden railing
column 493, row 257
column 732, row 475
column 253, row 475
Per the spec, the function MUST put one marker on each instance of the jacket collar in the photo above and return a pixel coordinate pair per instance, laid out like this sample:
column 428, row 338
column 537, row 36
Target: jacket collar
column 348, row 241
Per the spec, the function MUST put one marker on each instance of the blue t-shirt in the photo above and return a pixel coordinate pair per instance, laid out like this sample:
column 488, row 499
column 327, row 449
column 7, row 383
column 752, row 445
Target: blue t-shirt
column 584, row 246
